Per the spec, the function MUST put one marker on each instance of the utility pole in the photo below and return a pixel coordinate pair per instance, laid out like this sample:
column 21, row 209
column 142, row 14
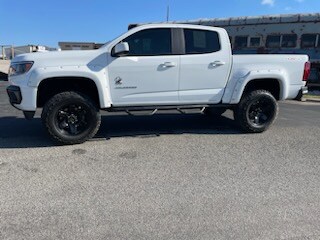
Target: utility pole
column 3, row 53
column 168, row 11
column 12, row 52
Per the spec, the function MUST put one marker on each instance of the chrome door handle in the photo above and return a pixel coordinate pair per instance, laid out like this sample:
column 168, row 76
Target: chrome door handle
column 169, row 64
column 217, row 63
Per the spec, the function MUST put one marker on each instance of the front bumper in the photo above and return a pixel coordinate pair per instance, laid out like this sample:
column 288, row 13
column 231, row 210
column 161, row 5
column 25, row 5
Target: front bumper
column 22, row 96
column 15, row 97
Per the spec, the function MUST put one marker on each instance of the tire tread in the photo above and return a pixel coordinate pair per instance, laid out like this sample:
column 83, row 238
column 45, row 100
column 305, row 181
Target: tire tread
column 240, row 111
column 50, row 105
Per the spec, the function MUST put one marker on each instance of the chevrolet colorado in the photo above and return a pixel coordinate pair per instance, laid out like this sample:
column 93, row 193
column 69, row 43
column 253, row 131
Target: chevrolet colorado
column 154, row 67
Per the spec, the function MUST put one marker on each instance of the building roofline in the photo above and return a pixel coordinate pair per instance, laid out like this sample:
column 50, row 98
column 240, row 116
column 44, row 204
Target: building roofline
column 251, row 20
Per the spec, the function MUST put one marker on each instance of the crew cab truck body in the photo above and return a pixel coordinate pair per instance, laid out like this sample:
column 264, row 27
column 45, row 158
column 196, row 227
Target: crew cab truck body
column 154, row 67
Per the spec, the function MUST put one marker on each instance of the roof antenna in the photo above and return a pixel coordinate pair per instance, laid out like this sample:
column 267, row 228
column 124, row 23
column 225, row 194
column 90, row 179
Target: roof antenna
column 168, row 11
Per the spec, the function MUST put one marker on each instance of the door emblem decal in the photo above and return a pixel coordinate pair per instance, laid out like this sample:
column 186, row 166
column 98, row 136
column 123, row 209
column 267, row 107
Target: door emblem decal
column 118, row 80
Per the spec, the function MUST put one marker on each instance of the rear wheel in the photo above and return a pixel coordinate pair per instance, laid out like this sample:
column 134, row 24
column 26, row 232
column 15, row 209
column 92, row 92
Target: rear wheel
column 256, row 111
column 71, row 118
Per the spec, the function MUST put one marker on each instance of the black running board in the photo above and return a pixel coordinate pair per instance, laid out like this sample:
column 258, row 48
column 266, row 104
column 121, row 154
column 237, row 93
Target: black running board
column 155, row 108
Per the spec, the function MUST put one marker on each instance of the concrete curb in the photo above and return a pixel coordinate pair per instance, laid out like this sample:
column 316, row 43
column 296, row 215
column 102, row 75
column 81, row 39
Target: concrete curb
column 317, row 100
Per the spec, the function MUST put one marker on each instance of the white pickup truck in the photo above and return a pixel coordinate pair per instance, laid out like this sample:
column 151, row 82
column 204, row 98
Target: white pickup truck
column 154, row 67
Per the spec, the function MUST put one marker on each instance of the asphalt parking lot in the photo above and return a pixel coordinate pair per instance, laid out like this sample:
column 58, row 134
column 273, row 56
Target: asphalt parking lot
column 167, row 176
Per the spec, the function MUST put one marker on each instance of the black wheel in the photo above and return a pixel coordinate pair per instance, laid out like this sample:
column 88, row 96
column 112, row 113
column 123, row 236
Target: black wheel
column 214, row 111
column 256, row 111
column 71, row 118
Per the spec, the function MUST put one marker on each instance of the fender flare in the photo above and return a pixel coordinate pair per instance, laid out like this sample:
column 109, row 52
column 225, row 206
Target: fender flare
column 41, row 74
column 241, row 83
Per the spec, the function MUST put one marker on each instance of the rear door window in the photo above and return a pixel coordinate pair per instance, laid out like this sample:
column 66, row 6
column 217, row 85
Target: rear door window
column 201, row 41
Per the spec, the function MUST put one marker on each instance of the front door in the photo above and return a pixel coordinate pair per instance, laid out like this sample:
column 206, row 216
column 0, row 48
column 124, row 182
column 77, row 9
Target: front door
column 149, row 73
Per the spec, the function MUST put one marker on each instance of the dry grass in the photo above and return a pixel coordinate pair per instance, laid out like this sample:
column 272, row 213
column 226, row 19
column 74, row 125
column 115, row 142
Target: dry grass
column 311, row 96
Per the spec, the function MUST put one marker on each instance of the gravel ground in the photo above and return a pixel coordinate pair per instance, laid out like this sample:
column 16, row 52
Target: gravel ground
column 167, row 176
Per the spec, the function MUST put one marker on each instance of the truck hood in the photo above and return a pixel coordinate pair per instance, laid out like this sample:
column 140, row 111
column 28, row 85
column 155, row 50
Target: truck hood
column 63, row 58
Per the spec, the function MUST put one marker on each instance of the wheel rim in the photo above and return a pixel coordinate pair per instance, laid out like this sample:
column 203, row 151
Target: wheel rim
column 261, row 112
column 72, row 119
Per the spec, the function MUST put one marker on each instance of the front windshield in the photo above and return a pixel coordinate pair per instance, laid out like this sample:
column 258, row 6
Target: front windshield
column 107, row 43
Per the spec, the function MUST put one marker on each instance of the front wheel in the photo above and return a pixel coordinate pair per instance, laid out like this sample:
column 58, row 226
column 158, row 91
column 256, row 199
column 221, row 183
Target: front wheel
column 256, row 111
column 71, row 118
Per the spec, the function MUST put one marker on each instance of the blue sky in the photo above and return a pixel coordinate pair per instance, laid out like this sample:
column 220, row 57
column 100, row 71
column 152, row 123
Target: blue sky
column 47, row 22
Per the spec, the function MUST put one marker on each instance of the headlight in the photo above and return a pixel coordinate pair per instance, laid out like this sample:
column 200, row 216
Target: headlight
column 19, row 68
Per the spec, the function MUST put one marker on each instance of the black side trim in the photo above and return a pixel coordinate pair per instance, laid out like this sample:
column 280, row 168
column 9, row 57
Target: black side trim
column 14, row 94
column 29, row 114
column 177, row 40
column 165, row 107
column 300, row 94
column 3, row 76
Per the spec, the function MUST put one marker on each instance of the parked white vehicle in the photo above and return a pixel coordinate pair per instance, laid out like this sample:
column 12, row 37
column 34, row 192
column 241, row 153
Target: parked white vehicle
column 154, row 67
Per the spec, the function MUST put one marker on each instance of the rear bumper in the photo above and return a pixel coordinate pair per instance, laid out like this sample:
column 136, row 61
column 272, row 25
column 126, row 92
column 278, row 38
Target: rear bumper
column 304, row 90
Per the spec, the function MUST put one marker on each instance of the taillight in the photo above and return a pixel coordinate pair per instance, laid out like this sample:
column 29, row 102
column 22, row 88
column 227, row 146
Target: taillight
column 307, row 69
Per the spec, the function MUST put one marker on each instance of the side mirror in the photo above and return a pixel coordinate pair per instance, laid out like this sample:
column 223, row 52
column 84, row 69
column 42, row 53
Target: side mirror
column 121, row 49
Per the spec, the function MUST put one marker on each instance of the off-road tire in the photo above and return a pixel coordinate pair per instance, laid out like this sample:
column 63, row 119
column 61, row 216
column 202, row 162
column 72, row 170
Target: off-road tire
column 89, row 114
column 245, row 113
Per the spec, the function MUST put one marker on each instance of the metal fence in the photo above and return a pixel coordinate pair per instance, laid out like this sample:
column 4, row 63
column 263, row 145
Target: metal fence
column 4, row 49
column 9, row 51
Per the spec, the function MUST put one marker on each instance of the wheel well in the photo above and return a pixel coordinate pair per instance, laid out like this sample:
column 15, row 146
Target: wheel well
column 52, row 86
column 271, row 85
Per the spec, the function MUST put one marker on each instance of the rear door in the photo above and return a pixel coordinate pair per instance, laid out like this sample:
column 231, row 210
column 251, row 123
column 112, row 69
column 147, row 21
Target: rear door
column 205, row 66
